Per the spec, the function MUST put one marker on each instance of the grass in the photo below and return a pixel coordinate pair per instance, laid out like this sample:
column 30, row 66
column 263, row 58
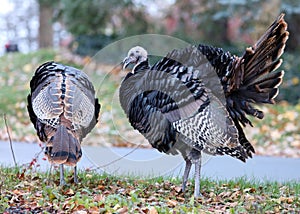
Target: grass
column 24, row 189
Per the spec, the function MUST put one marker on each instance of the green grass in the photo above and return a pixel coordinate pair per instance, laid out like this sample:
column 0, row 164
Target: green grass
column 32, row 191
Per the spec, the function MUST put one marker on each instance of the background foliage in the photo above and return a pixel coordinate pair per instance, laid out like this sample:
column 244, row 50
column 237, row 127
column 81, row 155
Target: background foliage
column 232, row 25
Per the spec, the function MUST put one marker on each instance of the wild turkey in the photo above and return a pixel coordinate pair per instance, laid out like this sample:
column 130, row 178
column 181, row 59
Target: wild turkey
column 63, row 109
column 180, row 107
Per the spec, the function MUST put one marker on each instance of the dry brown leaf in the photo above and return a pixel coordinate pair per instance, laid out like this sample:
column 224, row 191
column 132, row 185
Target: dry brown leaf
column 153, row 210
column 249, row 197
column 122, row 210
column 251, row 190
column 101, row 187
column 225, row 194
column 181, row 199
column 178, row 189
column 290, row 200
column 17, row 192
column 232, row 204
column 116, row 207
column 235, row 195
column 277, row 209
column 80, row 212
column 151, row 199
column 70, row 192
column 172, row 203
column 93, row 210
column 99, row 197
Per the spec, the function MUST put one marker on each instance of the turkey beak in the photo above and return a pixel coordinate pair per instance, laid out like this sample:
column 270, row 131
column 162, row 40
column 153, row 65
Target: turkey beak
column 127, row 61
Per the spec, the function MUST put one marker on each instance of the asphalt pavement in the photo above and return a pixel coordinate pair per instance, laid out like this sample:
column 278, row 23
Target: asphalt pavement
column 150, row 163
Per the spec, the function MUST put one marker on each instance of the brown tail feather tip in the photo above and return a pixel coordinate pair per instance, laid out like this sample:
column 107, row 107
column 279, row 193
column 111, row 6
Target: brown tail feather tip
column 281, row 20
column 273, row 80
column 277, row 64
column 63, row 157
column 284, row 32
column 65, row 148
column 278, row 27
column 281, row 78
column 284, row 39
column 58, row 157
column 277, row 92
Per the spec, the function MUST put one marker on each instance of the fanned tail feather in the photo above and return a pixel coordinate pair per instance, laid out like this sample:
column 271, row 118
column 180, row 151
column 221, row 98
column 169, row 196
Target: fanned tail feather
column 260, row 60
column 264, row 90
column 252, row 79
column 63, row 148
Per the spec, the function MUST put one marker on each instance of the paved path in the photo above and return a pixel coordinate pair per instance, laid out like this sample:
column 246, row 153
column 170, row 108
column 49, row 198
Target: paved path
column 149, row 162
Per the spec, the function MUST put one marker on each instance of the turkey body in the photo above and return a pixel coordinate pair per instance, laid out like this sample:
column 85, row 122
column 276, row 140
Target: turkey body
column 197, row 99
column 63, row 109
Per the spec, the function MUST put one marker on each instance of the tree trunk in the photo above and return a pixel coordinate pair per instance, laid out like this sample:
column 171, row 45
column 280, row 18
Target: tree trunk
column 45, row 28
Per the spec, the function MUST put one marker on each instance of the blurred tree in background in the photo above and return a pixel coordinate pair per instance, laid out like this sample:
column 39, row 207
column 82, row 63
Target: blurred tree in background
column 218, row 22
column 46, row 9
column 96, row 23
column 221, row 22
column 234, row 25
column 230, row 24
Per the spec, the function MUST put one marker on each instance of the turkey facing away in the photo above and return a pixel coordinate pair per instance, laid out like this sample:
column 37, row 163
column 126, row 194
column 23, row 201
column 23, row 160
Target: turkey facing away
column 180, row 107
column 63, row 109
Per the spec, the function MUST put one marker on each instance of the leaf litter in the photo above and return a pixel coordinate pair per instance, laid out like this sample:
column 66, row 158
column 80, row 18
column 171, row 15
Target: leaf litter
column 96, row 193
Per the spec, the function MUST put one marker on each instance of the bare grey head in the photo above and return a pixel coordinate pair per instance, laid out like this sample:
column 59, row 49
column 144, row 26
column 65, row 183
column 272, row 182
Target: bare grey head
column 135, row 55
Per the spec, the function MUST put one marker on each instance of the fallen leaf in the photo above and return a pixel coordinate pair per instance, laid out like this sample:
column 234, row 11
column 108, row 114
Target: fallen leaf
column 172, row 203
column 116, row 207
column 122, row 210
column 251, row 190
column 235, row 195
column 181, row 199
column 101, row 187
column 80, row 212
column 153, row 210
column 151, row 199
column 70, row 192
column 276, row 209
column 80, row 209
column 178, row 189
column 290, row 200
column 225, row 194
column 27, row 68
column 93, row 210
column 232, row 204
column 98, row 198
column 88, row 176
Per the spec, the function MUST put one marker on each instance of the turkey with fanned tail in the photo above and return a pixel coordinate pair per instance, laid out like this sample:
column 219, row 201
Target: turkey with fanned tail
column 197, row 99
column 63, row 109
